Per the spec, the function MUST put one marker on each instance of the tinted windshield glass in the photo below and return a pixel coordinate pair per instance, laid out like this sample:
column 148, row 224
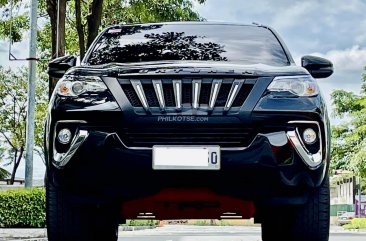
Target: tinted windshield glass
column 201, row 42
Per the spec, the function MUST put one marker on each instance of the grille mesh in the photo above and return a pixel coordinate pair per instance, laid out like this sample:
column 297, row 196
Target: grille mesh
column 131, row 95
column 169, row 95
column 152, row 100
column 205, row 94
column 223, row 94
column 243, row 94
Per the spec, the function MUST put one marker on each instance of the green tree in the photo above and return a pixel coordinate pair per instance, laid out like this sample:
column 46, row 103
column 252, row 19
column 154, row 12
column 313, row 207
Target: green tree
column 13, row 20
column 349, row 138
column 3, row 173
column 13, row 107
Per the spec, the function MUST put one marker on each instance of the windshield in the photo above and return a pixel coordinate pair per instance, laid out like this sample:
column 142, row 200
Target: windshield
column 197, row 42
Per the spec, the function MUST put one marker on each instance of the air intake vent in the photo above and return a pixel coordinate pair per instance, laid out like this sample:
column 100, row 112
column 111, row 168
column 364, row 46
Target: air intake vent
column 222, row 135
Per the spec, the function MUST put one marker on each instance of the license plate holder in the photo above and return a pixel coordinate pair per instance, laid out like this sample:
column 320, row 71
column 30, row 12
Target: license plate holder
column 186, row 158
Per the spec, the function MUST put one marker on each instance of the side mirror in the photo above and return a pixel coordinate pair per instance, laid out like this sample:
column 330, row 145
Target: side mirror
column 58, row 67
column 317, row 67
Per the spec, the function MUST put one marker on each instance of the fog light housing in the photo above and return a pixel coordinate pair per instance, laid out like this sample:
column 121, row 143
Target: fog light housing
column 64, row 136
column 309, row 136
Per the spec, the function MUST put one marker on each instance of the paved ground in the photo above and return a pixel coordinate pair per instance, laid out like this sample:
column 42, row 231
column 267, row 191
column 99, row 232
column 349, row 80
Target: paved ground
column 223, row 233
column 183, row 233
column 39, row 234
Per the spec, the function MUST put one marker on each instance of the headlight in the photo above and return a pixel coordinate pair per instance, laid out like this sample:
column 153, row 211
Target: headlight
column 297, row 85
column 72, row 86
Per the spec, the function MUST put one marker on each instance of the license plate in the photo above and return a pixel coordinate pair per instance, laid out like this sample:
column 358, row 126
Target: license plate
column 186, row 158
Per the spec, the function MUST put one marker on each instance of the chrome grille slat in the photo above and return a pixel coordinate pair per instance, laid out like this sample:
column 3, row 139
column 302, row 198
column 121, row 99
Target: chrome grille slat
column 140, row 93
column 177, row 86
column 215, row 88
column 159, row 91
column 235, row 88
column 196, row 88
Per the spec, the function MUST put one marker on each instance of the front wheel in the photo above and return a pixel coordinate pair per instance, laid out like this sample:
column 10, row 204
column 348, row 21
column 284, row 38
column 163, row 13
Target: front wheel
column 308, row 222
column 75, row 222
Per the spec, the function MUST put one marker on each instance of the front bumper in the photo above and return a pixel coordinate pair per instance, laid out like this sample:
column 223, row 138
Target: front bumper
column 276, row 139
column 99, row 164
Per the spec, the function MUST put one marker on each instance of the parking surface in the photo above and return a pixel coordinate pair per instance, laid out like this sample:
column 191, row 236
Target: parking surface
column 220, row 233
column 184, row 233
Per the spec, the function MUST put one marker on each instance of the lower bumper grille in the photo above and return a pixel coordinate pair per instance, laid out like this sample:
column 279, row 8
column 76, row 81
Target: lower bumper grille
column 224, row 137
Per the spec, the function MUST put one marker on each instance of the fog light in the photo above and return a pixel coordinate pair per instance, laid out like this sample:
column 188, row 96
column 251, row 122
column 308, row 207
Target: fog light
column 64, row 136
column 309, row 136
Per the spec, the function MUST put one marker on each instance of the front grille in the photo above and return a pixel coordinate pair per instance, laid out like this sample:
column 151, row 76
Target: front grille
column 152, row 100
column 223, row 94
column 196, row 93
column 168, row 95
column 131, row 95
column 227, row 136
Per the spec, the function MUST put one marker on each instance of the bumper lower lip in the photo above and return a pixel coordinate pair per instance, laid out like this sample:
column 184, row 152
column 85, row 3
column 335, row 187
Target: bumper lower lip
column 313, row 161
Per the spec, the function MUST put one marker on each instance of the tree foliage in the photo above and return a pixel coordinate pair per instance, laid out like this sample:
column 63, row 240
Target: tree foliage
column 142, row 11
column 4, row 173
column 349, row 138
column 13, row 107
column 13, row 20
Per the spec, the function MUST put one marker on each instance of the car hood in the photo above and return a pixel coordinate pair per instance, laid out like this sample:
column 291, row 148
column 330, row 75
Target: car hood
column 196, row 67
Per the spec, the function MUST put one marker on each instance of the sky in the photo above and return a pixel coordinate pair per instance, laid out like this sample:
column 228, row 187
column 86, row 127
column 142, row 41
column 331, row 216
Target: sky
column 332, row 29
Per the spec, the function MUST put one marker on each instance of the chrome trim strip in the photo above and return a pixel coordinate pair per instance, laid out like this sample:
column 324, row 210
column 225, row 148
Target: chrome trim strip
column 158, row 87
column 140, row 93
column 196, row 88
column 215, row 88
column 311, row 160
column 326, row 120
column 235, row 87
column 71, row 121
column 292, row 76
column 61, row 159
column 276, row 138
column 177, row 86
column 124, row 145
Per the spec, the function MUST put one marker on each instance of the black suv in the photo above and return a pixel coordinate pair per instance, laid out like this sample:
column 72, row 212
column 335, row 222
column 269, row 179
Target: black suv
column 187, row 120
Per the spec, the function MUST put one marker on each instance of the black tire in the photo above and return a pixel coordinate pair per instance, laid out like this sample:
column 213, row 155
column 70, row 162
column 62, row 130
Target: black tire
column 71, row 222
column 309, row 222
